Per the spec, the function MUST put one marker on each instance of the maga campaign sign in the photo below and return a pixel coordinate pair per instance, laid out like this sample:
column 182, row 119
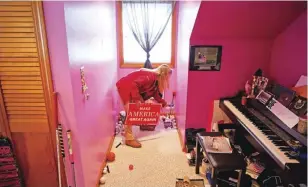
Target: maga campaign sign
column 146, row 114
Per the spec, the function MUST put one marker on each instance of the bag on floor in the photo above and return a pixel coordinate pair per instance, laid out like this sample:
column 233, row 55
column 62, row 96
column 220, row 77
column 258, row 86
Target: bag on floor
column 9, row 170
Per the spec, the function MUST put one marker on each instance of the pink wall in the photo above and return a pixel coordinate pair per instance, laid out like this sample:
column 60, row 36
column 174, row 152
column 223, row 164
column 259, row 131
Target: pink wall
column 186, row 19
column 246, row 37
column 58, row 54
column 245, row 19
column 289, row 53
column 76, row 38
column 241, row 58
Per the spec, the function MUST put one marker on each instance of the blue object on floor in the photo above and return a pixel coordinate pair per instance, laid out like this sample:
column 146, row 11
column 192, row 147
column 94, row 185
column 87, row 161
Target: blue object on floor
column 209, row 177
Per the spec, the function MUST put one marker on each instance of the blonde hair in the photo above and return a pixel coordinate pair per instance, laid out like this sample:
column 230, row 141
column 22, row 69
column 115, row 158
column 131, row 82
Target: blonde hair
column 163, row 72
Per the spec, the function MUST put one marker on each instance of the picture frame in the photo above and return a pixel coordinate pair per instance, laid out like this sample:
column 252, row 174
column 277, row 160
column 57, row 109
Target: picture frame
column 205, row 58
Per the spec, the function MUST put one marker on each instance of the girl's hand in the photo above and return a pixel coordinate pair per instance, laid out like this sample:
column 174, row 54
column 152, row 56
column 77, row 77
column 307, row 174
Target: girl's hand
column 164, row 103
column 138, row 104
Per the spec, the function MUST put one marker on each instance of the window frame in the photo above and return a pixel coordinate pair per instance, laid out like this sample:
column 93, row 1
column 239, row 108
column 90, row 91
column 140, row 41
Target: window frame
column 119, row 25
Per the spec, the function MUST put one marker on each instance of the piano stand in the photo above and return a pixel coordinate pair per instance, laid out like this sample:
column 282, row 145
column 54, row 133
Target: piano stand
column 220, row 161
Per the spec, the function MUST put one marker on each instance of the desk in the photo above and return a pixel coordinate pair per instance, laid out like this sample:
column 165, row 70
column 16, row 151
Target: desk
column 219, row 161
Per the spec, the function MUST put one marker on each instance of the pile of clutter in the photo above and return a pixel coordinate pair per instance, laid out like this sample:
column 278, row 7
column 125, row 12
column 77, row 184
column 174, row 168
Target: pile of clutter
column 119, row 127
column 168, row 120
column 190, row 135
column 102, row 180
column 191, row 157
column 110, row 157
column 187, row 182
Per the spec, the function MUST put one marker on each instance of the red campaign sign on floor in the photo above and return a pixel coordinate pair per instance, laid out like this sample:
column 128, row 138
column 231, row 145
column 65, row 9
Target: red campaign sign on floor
column 146, row 114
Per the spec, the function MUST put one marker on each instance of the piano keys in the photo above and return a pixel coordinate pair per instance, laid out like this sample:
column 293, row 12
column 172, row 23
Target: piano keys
column 282, row 144
column 272, row 143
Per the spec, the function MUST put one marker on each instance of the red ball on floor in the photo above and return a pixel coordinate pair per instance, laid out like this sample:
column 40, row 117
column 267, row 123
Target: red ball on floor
column 131, row 167
column 110, row 157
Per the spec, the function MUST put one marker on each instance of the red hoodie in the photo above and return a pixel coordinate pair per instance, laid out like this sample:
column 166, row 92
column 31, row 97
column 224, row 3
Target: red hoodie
column 139, row 86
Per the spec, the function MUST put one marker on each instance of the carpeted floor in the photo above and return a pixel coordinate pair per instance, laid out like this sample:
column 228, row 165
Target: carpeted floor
column 157, row 164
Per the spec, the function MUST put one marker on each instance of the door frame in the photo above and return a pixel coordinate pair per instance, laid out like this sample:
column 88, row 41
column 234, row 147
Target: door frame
column 41, row 40
column 46, row 75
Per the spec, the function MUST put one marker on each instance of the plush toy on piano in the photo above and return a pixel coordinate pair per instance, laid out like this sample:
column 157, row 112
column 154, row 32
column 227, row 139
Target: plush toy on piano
column 256, row 84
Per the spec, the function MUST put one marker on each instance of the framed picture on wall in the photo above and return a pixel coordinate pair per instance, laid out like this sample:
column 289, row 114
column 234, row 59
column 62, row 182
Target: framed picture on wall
column 205, row 58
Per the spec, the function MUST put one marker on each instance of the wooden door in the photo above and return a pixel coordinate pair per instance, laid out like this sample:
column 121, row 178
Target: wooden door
column 25, row 91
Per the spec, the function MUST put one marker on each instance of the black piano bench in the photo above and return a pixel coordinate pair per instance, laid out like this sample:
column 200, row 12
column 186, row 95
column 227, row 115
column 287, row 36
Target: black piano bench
column 220, row 162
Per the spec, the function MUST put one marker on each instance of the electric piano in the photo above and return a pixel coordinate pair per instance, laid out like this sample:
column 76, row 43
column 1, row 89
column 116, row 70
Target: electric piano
column 258, row 129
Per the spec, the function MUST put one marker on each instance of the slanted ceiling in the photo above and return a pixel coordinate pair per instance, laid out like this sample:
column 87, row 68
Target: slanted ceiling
column 258, row 19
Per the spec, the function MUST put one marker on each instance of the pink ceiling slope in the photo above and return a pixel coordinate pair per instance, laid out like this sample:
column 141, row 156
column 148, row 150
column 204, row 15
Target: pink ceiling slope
column 258, row 19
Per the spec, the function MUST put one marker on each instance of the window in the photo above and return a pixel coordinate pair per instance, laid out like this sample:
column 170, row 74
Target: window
column 131, row 55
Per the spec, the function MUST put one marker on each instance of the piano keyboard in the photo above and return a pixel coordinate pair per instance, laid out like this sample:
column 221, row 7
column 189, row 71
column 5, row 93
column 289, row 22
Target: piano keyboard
column 272, row 143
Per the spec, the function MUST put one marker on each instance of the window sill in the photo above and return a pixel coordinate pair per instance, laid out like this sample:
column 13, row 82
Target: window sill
column 140, row 65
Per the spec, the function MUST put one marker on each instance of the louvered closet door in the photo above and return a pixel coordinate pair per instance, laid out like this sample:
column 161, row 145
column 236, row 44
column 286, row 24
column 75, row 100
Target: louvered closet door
column 23, row 91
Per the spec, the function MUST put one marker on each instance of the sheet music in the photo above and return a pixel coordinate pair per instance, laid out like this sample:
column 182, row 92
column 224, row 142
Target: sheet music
column 217, row 144
column 283, row 113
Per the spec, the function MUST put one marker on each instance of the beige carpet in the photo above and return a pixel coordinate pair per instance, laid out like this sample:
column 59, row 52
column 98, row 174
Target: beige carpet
column 157, row 164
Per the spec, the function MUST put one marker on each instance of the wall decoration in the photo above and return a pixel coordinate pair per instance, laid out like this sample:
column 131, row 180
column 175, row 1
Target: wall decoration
column 71, row 154
column 84, row 86
column 205, row 58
